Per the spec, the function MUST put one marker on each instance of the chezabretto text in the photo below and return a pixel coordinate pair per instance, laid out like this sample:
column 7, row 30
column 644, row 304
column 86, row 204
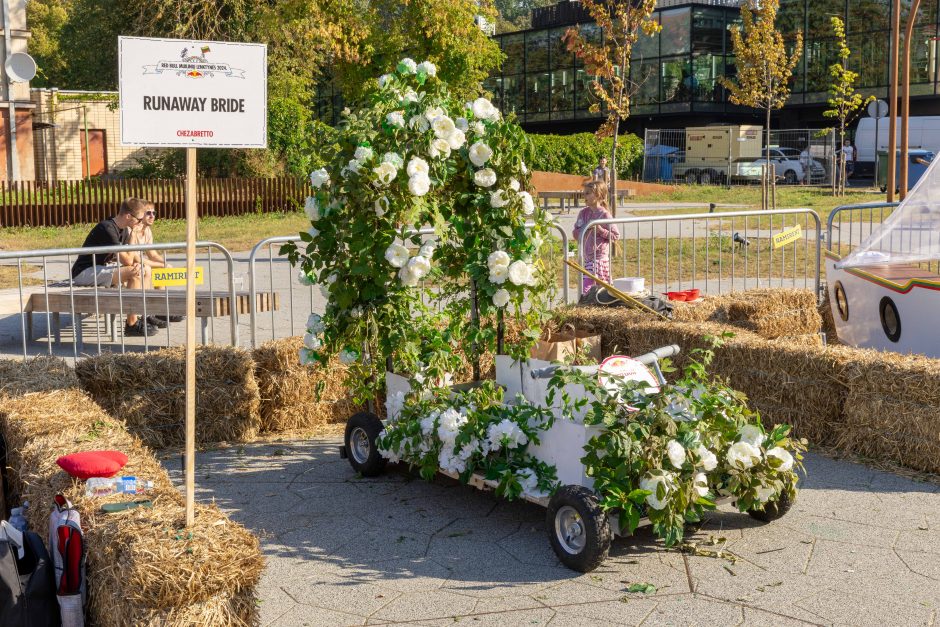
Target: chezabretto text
column 186, row 103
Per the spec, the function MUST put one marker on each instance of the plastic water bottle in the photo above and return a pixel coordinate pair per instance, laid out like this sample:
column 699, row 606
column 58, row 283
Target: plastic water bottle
column 17, row 517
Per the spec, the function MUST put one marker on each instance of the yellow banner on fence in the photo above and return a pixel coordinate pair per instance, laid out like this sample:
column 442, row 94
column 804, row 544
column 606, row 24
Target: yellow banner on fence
column 174, row 277
column 787, row 236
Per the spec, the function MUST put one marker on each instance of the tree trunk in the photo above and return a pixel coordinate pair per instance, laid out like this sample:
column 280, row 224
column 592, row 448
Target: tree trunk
column 612, row 196
column 770, row 176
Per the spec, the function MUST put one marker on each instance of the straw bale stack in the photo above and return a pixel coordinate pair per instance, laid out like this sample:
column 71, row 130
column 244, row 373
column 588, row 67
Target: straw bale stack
column 828, row 322
column 771, row 313
column 38, row 374
column 143, row 568
column 147, row 391
column 288, row 389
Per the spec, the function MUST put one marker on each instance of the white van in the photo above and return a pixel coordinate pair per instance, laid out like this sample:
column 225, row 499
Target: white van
column 923, row 132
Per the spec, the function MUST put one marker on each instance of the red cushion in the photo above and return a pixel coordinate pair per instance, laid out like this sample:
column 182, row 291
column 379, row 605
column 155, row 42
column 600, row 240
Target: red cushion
column 92, row 463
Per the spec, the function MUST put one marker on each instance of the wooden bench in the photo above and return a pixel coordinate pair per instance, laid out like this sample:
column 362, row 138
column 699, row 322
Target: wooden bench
column 115, row 304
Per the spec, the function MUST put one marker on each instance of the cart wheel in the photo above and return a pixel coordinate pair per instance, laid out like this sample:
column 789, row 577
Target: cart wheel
column 578, row 529
column 362, row 430
column 773, row 510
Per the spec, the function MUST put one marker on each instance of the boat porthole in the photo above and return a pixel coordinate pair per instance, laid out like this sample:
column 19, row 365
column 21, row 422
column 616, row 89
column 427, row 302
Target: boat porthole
column 842, row 301
column 890, row 319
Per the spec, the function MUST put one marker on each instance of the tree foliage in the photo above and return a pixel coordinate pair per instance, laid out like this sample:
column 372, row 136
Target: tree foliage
column 580, row 152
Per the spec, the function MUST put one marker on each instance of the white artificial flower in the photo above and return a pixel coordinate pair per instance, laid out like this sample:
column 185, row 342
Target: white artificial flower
column 450, row 462
column 348, row 356
column 419, row 185
column 427, row 250
column 498, row 258
column 394, row 158
column 419, row 266
column 384, row 79
column 385, row 172
column 417, row 165
column 449, row 425
column 419, row 123
column 708, row 460
column 786, row 459
column 514, row 185
column 532, row 275
column 499, row 274
column 462, row 124
column 428, row 68
column 456, row 139
column 311, row 209
column 303, row 278
column 315, row 323
column 407, row 66
column 381, row 206
column 652, row 483
column 676, row 453
column 478, row 128
column 433, row 113
column 501, row 298
column 409, row 96
column 439, row 148
column 468, row 449
column 505, row 433
column 312, row 341
column 522, row 167
column 324, row 291
column 353, row 166
column 443, row 126
column 395, row 118
column 700, row 483
column 320, row 177
column 764, row 494
column 485, row 177
column 396, row 254
column 484, row 109
column 751, row 434
column 363, row 154
column 528, row 205
column 527, row 479
column 408, row 277
column 519, row 273
column 479, row 154
column 742, row 455
column 394, row 403
column 499, row 199
column 331, row 278
column 428, row 423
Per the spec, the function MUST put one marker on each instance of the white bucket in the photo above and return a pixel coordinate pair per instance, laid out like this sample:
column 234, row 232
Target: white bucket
column 630, row 285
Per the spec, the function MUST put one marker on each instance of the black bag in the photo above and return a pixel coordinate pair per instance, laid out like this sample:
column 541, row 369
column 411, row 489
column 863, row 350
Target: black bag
column 27, row 585
column 598, row 295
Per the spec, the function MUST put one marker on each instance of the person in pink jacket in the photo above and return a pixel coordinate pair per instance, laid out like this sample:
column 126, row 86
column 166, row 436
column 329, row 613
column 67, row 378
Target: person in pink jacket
column 597, row 241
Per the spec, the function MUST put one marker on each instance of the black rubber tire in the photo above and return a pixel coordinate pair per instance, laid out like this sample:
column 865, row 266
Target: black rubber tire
column 789, row 177
column 371, row 462
column 596, row 528
column 773, row 510
column 707, row 177
column 691, row 177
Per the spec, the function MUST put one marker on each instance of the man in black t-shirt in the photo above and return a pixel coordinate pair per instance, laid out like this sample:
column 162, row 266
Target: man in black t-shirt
column 109, row 269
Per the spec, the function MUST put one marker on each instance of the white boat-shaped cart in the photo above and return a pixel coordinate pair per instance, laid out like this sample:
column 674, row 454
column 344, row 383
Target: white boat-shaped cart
column 579, row 531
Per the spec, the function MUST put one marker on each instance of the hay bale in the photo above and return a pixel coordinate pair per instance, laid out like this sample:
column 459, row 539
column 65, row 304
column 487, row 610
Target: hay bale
column 147, row 391
column 288, row 389
column 775, row 313
column 38, row 374
column 143, row 568
column 828, row 322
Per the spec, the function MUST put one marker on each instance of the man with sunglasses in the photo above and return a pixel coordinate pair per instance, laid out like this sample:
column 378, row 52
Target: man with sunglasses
column 112, row 269
column 142, row 233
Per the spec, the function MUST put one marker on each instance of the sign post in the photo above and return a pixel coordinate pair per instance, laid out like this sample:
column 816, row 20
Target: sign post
column 189, row 94
column 877, row 109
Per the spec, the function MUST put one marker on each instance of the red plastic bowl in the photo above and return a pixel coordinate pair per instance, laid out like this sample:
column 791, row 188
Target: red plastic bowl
column 692, row 294
column 677, row 296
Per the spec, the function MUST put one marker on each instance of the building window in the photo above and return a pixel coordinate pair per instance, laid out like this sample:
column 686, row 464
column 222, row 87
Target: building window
column 537, row 96
column 560, row 56
column 706, row 68
column 708, row 28
column 869, row 58
column 536, row 51
column 791, row 18
column 819, row 17
column 869, row 15
column 675, row 81
column 514, row 49
column 647, row 46
column 514, row 95
column 562, row 93
column 674, row 37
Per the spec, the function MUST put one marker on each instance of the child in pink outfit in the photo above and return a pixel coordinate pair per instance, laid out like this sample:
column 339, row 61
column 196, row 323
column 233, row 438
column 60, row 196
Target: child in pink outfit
column 597, row 240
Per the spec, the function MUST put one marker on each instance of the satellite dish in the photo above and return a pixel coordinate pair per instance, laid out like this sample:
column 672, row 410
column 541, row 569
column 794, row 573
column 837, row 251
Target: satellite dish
column 20, row 67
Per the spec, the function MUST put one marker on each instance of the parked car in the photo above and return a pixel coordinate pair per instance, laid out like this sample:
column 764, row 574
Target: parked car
column 787, row 164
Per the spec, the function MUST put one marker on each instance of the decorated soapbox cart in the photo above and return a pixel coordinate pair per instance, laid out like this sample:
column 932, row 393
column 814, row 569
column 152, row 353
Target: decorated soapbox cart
column 579, row 530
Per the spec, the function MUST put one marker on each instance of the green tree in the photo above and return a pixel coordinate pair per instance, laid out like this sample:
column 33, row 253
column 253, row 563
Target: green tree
column 845, row 103
column 763, row 65
column 608, row 62
column 516, row 15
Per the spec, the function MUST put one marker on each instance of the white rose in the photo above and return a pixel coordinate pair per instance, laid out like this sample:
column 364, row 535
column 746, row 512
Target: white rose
column 428, row 68
column 362, row 154
column 498, row 258
column 407, row 66
column 514, row 185
column 385, row 172
column 439, row 148
column 381, row 206
column 676, row 453
column 419, row 185
column 764, row 494
column 499, row 274
column 522, row 167
column 653, row 483
column 478, row 128
column 408, row 277
column 499, row 199
column 306, row 357
column 353, row 166
column 319, row 177
column 315, row 323
column 519, row 273
column 479, row 154
column 742, row 455
column 456, row 139
column 427, row 250
column 395, row 118
column 384, row 79
column 786, row 459
column 433, row 113
column 462, row 124
column 484, row 109
column 409, row 96
column 419, row 266
column 528, row 205
column 419, row 123
column 311, row 341
column 708, row 460
column 751, row 434
column 311, row 209
column 700, row 483
column 417, row 166
column 348, row 356
column 485, row 177
column 443, row 126
column 394, row 158
column 304, row 279
column 501, row 298
column 396, row 254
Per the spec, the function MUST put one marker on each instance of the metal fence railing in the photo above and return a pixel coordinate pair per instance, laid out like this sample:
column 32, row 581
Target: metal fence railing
column 43, row 290
column 716, row 252
column 849, row 225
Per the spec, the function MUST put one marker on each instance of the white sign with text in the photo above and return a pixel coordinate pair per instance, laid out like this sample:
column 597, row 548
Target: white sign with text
column 192, row 94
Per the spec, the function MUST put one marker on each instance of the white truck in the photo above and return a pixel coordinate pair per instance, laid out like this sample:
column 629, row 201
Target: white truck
column 713, row 152
column 924, row 132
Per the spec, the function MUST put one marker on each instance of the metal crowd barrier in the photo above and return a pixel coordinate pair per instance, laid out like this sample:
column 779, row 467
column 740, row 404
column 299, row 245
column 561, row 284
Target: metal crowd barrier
column 855, row 236
column 25, row 293
column 718, row 252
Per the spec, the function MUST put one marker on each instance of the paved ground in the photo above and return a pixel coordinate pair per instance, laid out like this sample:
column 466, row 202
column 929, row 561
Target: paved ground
column 860, row 547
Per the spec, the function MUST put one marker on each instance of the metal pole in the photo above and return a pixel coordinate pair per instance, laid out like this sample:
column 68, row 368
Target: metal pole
column 7, row 43
column 906, row 94
column 893, row 99
column 877, row 128
column 191, row 216
column 87, row 151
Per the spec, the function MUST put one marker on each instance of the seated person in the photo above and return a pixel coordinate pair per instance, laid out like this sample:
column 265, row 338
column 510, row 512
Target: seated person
column 113, row 269
column 142, row 233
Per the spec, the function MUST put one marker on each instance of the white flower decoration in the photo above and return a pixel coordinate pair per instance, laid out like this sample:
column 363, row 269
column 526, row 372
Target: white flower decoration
column 320, row 177
column 407, row 66
column 485, row 177
column 676, row 453
column 499, row 274
column 394, row 403
column 408, row 277
column 315, row 324
column 514, row 185
column 354, row 166
column 381, row 206
column 700, row 483
column 363, row 154
column 443, row 126
column 708, row 460
column 306, row 357
column 427, row 250
column 311, row 341
column 428, row 68
column 417, row 166
column 528, row 204
column 384, row 79
column 311, row 210
column 519, row 273
column 396, row 254
column 439, row 148
column 419, row 266
column 765, row 494
column 478, row 128
column 499, row 199
column 348, row 356
column 433, row 113
column 653, row 483
column 522, row 167
column 419, row 123
column 479, row 154
column 462, row 124
column 394, row 158
column 395, row 118
column 505, row 433
column 484, row 109
column 743, row 456
column 498, row 258
column 385, row 172
column 409, row 96
column 501, row 298
column 786, row 459
column 751, row 434
column 419, row 185
column 456, row 139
